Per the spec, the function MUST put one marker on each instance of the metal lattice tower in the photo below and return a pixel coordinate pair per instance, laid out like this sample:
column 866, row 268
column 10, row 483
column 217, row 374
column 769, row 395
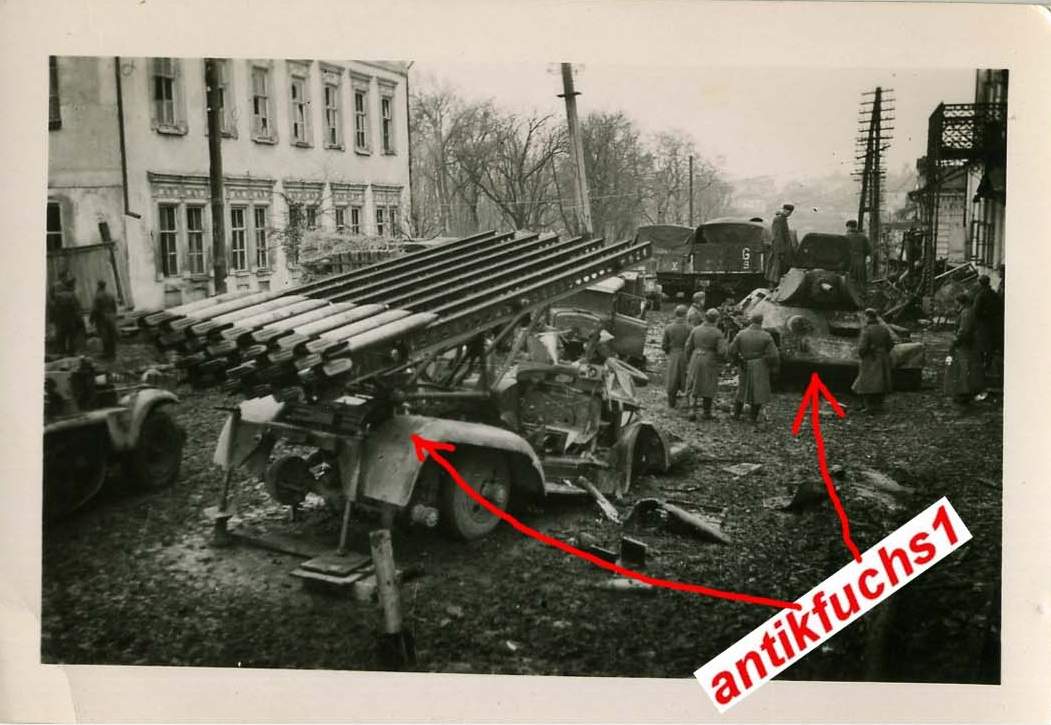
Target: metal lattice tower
column 874, row 136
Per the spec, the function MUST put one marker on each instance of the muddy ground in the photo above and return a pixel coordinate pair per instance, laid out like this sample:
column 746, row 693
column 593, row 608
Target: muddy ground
column 132, row 580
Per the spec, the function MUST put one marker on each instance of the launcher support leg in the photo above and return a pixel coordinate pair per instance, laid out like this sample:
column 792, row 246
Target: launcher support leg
column 220, row 532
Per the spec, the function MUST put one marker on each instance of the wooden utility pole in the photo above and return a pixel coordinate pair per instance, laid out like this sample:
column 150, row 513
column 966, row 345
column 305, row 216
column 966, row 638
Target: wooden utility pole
column 576, row 148
column 215, row 173
column 691, row 191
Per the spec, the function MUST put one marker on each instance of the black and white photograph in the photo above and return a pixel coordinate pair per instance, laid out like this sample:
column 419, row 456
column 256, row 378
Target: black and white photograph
column 563, row 366
column 266, row 276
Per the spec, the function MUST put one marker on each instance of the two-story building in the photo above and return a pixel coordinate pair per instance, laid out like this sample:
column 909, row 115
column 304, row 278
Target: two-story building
column 305, row 144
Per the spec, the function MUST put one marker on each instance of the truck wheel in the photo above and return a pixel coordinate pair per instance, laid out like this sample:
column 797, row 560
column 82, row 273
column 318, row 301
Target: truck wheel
column 74, row 468
column 487, row 472
column 154, row 462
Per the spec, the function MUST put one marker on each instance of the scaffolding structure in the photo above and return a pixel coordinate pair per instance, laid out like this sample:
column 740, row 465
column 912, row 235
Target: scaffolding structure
column 958, row 136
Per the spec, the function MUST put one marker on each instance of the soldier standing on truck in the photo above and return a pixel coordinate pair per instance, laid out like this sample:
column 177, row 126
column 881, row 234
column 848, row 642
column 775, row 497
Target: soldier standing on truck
column 859, row 253
column 780, row 259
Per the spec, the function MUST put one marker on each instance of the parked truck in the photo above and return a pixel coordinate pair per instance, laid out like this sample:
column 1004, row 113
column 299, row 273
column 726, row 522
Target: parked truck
column 722, row 257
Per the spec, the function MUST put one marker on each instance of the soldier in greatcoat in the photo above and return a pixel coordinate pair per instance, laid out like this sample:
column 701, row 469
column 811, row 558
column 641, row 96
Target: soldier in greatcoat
column 104, row 318
column 754, row 352
column 874, row 371
column 695, row 315
column 779, row 260
column 69, row 320
column 706, row 350
column 964, row 377
column 988, row 320
column 860, row 249
column 675, row 336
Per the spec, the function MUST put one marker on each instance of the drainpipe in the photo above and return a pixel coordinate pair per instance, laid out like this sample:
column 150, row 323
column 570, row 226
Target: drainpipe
column 120, row 129
column 408, row 128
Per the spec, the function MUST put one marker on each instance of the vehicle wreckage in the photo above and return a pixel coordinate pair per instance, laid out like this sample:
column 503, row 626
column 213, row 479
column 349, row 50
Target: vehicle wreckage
column 93, row 421
column 447, row 343
column 815, row 315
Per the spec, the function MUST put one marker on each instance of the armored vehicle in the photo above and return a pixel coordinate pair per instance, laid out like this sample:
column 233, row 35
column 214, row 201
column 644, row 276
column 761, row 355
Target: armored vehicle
column 815, row 315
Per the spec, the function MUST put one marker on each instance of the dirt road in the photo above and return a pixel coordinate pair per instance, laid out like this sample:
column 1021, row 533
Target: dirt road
column 132, row 580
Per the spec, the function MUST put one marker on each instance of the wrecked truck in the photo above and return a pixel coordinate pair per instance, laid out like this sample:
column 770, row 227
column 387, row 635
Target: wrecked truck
column 816, row 313
column 339, row 373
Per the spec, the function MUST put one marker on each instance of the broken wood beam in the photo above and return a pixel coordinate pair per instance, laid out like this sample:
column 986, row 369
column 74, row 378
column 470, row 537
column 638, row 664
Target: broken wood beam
column 603, row 503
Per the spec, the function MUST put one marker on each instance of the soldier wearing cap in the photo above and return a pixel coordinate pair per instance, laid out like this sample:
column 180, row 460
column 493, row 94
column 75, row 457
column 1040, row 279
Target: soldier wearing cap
column 754, row 352
column 675, row 335
column 963, row 376
column 695, row 315
column 779, row 260
column 874, row 370
column 705, row 349
column 860, row 249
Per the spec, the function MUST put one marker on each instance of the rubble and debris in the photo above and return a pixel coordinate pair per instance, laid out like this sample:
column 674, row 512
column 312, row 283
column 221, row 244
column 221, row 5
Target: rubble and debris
column 883, row 482
column 743, row 469
column 683, row 521
column 608, row 509
column 632, row 552
column 599, row 551
column 810, row 492
column 454, row 610
column 619, row 584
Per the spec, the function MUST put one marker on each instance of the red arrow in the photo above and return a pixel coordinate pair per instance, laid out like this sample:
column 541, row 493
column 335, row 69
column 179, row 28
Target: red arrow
column 812, row 398
column 425, row 447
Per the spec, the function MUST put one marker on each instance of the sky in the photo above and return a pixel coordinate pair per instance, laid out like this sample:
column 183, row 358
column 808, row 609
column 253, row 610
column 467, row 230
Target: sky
column 782, row 122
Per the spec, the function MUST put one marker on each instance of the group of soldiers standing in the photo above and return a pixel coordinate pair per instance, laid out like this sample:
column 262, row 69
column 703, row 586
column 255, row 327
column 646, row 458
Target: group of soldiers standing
column 67, row 318
column 697, row 350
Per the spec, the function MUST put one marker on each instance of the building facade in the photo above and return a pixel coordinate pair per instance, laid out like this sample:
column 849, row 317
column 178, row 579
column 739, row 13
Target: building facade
column 306, row 144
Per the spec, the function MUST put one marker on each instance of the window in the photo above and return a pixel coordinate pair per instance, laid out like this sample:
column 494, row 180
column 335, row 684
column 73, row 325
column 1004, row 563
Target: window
column 195, row 239
column 262, row 255
column 361, row 119
column 333, row 124
column 167, row 111
column 392, row 221
column 387, row 108
column 238, row 240
column 54, row 110
column 311, row 216
column 169, row 239
column 54, row 226
column 300, row 112
column 341, row 219
column 227, row 126
column 355, row 220
column 295, row 231
column 262, row 112
column 380, row 216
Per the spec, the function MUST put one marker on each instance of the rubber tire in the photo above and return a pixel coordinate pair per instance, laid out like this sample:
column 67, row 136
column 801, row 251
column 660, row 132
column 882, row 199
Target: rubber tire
column 154, row 462
column 75, row 466
column 487, row 472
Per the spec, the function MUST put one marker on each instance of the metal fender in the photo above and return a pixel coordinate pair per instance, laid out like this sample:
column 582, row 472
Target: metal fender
column 241, row 436
column 641, row 447
column 390, row 468
column 125, row 433
column 908, row 355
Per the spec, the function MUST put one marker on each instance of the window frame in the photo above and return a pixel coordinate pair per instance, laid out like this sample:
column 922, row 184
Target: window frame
column 378, row 216
column 387, row 124
column 257, row 133
column 355, row 219
column 191, row 253
column 48, row 232
column 361, row 87
column 340, row 215
column 54, row 101
column 169, row 257
column 176, row 124
column 227, row 120
column 299, row 75
column 262, row 261
column 333, row 126
column 242, row 249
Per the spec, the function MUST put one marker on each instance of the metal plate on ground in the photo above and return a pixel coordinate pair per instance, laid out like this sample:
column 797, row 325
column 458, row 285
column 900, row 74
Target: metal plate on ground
column 336, row 565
